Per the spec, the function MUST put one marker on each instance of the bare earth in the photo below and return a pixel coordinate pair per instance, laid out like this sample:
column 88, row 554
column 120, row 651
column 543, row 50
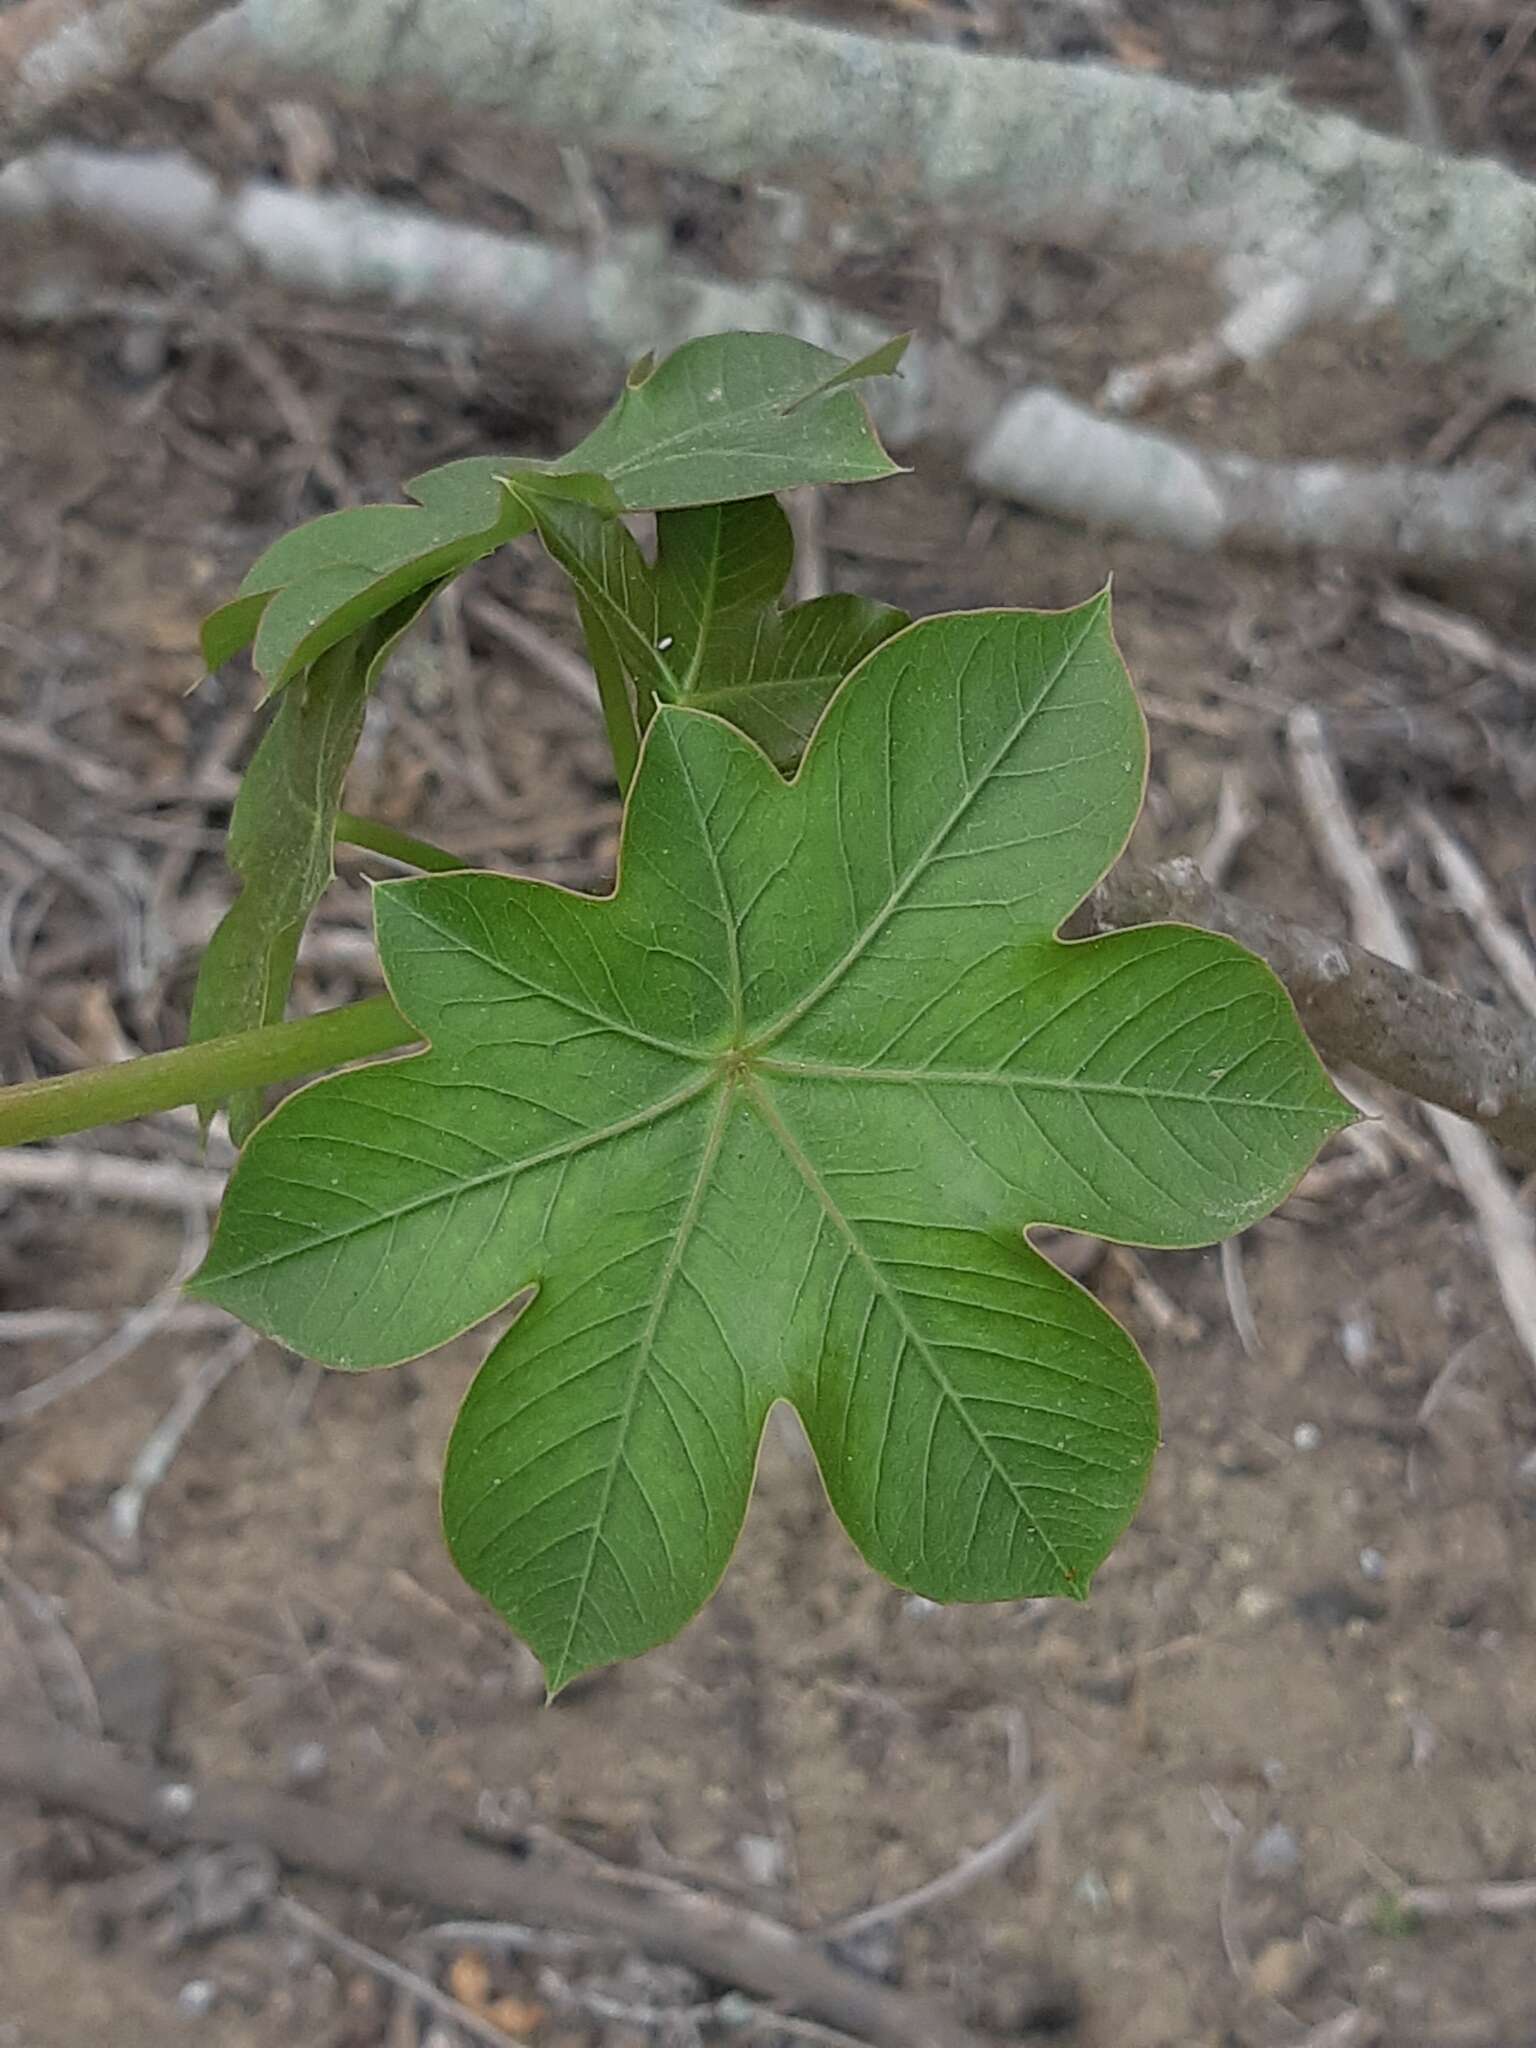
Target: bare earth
column 1309, row 1671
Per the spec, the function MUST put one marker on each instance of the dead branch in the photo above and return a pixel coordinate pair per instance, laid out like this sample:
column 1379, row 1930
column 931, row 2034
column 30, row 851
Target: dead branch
column 1036, row 447
column 1067, row 153
column 1514, row 1899
column 56, row 53
column 1360, row 1009
column 1045, row 450
column 1506, row 1227
column 107, row 1177
column 1469, row 890
column 424, row 1861
column 960, row 1877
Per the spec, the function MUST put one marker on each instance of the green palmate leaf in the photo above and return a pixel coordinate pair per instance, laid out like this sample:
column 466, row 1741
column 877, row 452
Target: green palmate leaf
column 281, row 837
column 769, row 1124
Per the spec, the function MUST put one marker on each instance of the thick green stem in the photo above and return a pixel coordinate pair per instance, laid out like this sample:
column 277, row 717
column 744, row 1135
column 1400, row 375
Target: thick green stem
column 373, row 837
column 200, row 1073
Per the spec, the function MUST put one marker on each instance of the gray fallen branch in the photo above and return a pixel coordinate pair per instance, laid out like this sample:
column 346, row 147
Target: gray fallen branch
column 1036, row 447
column 1045, row 450
column 430, row 1864
column 56, row 53
column 108, row 1177
column 1066, row 153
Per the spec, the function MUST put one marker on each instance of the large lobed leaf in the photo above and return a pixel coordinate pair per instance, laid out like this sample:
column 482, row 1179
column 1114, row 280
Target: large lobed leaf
column 769, row 1124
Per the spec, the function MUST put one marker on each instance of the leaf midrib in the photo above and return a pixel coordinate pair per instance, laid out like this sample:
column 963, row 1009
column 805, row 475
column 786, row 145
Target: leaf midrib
column 639, row 1367
column 924, row 858
column 471, row 1183
column 816, row 1070
column 804, row 1166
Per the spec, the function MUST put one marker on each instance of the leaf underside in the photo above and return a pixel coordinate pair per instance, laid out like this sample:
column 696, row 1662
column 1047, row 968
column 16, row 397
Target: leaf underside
column 769, row 1124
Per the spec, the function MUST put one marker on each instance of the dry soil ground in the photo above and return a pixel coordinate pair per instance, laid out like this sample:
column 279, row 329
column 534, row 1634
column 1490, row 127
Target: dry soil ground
column 1309, row 1670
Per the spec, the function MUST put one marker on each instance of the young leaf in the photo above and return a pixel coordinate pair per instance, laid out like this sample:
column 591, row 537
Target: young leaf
column 613, row 582
column 731, row 416
column 774, row 676
column 716, row 566
column 315, row 586
column 769, row 1124
column 737, row 416
column 281, row 838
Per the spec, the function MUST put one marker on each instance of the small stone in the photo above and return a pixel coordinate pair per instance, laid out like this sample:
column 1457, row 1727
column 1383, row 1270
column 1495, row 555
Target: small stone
column 1373, row 1565
column 1357, row 1340
column 1275, row 1854
column 1258, row 1603
column 1306, row 1436
column 308, row 1763
column 1282, row 1971
column 1091, row 1891
column 197, row 1996
column 761, row 1857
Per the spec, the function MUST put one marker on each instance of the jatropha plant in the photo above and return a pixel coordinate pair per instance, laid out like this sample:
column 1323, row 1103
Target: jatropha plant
column 772, row 1119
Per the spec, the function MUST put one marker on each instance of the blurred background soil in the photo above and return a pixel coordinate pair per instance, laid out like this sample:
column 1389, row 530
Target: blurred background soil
column 1308, row 1672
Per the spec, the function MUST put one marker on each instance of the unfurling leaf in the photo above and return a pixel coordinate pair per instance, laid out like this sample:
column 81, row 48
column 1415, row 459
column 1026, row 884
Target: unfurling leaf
column 281, row 841
column 769, row 1124
column 729, row 416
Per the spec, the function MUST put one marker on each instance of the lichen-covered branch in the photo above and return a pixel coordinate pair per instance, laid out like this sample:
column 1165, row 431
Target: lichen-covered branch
column 1043, row 449
column 1037, row 151
column 1037, row 447
column 56, row 53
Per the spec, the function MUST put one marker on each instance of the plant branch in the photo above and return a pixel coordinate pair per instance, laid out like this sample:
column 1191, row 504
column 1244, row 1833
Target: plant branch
column 195, row 1073
column 56, row 53
column 1476, row 1059
column 1036, row 447
column 1064, row 153
column 1505, row 1225
column 425, row 1862
column 399, row 847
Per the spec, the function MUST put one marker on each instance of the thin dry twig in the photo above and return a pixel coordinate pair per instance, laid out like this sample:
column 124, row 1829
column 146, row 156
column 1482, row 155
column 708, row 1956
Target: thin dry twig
column 108, row 1177
column 1228, row 1825
column 58, row 1651
column 1457, row 634
column 1235, row 1285
column 565, row 669
column 1237, row 819
column 39, row 1325
column 56, row 53
column 125, row 1510
column 1421, row 116
column 949, row 1884
column 443, row 2003
column 131, row 1334
column 1514, row 1899
column 1506, row 1228
column 1468, row 888
column 434, row 1865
